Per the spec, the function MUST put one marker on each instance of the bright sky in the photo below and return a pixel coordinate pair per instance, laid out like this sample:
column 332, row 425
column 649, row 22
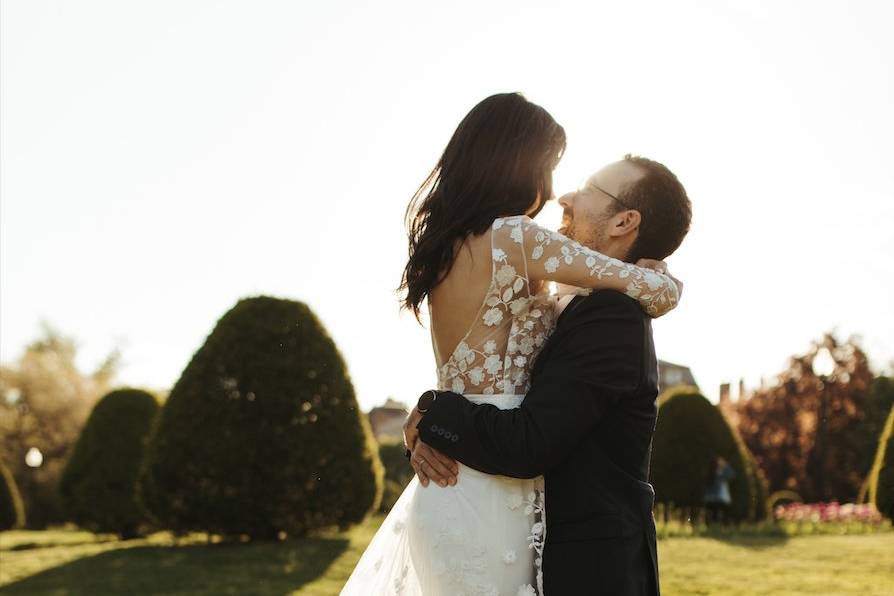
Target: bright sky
column 161, row 160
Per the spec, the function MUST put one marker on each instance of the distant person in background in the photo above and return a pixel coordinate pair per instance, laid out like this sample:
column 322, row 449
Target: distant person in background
column 717, row 497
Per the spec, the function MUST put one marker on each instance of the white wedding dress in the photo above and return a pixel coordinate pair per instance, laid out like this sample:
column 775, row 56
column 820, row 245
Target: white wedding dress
column 484, row 535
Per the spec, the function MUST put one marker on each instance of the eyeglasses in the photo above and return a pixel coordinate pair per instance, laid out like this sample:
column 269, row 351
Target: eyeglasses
column 605, row 192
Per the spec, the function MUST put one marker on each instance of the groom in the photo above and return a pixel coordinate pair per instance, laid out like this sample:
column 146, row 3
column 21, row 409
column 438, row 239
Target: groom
column 586, row 423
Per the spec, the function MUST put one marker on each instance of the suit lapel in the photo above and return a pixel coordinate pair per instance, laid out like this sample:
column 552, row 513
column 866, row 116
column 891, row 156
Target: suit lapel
column 547, row 349
column 574, row 302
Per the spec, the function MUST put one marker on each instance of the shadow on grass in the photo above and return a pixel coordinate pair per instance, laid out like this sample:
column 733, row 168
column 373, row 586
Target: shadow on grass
column 35, row 545
column 757, row 537
column 253, row 568
column 755, row 541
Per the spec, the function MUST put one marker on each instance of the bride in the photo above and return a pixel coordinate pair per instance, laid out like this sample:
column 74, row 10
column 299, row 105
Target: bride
column 483, row 266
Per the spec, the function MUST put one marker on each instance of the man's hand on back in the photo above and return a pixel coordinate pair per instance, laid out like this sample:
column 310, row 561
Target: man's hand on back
column 428, row 463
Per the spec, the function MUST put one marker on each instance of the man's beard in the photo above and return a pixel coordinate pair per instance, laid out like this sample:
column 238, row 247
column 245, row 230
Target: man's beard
column 589, row 231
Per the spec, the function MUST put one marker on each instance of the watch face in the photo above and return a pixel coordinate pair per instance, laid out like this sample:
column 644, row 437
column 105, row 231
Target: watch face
column 425, row 401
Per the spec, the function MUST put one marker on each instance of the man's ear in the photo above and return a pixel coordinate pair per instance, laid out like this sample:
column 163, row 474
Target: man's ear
column 624, row 223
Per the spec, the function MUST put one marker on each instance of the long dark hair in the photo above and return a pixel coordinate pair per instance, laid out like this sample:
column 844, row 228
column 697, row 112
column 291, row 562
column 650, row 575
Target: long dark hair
column 501, row 156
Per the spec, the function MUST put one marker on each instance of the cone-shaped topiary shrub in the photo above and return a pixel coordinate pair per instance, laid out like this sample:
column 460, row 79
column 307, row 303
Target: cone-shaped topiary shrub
column 12, row 511
column 881, row 479
column 98, row 484
column 262, row 434
column 398, row 472
column 689, row 432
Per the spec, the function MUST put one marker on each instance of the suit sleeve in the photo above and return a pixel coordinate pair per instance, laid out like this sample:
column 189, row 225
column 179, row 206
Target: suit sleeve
column 597, row 362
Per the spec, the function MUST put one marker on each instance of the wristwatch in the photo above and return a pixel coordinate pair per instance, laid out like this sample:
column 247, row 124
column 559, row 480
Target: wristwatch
column 426, row 400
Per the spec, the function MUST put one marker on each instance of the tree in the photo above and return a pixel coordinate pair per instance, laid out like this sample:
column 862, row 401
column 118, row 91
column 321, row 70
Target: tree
column 12, row 512
column 44, row 401
column 262, row 433
column 780, row 424
column 760, row 508
column 98, row 484
column 881, row 484
column 690, row 431
column 872, row 421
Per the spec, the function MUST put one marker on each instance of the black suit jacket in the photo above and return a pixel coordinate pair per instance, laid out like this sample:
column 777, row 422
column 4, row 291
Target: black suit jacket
column 586, row 425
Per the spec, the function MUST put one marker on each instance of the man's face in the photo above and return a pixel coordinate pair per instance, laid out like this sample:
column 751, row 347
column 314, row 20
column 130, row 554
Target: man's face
column 589, row 212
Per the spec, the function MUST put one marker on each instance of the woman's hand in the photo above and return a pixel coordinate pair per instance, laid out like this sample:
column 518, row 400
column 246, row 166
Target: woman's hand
column 661, row 267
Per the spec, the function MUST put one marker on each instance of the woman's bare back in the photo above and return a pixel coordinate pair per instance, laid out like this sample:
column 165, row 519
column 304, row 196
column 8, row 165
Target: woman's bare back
column 456, row 301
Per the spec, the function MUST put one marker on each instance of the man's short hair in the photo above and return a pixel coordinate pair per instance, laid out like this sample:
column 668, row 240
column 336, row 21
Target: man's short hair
column 663, row 206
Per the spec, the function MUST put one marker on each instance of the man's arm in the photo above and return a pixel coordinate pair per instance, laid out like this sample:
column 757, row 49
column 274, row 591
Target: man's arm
column 598, row 361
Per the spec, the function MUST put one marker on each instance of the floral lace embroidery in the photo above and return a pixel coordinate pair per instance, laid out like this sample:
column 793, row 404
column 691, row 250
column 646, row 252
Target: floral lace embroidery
column 400, row 581
column 463, row 562
column 468, row 573
column 496, row 354
column 656, row 293
column 532, row 506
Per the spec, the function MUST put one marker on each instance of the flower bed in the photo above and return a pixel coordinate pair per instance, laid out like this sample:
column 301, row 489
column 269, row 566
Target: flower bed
column 794, row 519
column 829, row 518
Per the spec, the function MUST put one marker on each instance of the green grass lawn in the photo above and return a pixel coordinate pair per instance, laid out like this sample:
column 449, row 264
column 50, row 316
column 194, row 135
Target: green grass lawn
column 798, row 565
column 71, row 563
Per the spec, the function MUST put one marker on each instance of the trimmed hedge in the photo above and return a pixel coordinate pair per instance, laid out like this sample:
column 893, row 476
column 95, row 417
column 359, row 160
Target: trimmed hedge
column 689, row 432
column 881, row 484
column 262, row 433
column 12, row 510
column 98, row 484
column 398, row 472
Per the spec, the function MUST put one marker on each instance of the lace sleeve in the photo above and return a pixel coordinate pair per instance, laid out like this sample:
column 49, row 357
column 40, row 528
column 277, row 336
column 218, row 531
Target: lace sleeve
column 551, row 256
